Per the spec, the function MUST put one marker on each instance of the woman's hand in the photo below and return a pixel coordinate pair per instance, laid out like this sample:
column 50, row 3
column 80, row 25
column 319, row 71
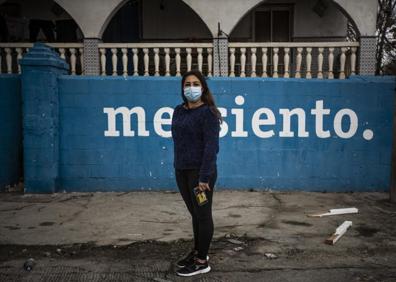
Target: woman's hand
column 202, row 186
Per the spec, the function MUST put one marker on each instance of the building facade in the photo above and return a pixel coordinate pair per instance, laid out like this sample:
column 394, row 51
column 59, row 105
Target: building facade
column 296, row 38
column 90, row 108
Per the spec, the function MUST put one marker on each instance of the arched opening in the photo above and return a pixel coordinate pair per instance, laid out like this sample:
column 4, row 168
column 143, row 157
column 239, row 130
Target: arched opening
column 303, row 21
column 40, row 20
column 124, row 25
column 294, row 21
column 23, row 22
column 152, row 22
column 155, row 21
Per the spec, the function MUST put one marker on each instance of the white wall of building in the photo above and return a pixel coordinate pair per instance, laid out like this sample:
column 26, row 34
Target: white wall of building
column 92, row 16
column 306, row 23
column 363, row 12
column 229, row 12
column 309, row 24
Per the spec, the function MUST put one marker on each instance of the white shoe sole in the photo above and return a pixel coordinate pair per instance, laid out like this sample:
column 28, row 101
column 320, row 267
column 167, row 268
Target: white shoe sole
column 181, row 266
column 202, row 271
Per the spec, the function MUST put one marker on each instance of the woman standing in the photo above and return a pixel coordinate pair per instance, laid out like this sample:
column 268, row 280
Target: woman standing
column 195, row 133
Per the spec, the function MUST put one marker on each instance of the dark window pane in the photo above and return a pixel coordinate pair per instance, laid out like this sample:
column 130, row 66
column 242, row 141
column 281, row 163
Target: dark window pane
column 280, row 26
column 263, row 26
column 124, row 26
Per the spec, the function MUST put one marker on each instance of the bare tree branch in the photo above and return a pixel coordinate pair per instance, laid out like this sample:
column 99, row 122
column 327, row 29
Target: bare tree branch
column 386, row 23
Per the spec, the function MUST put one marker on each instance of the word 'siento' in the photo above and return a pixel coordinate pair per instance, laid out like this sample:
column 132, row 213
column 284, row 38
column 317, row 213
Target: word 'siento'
column 262, row 120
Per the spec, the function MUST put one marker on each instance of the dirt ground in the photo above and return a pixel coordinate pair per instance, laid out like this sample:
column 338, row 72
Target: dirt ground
column 153, row 261
column 280, row 244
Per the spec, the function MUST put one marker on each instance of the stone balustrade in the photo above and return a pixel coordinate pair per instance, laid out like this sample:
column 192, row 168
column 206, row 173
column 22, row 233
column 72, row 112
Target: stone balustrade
column 248, row 59
column 10, row 53
column 293, row 59
column 155, row 59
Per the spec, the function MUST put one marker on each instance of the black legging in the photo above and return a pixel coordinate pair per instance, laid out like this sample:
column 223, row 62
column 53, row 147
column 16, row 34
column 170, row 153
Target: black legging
column 202, row 220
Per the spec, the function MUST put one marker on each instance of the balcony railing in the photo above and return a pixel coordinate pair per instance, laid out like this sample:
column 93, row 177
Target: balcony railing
column 325, row 60
column 155, row 59
column 10, row 53
column 293, row 59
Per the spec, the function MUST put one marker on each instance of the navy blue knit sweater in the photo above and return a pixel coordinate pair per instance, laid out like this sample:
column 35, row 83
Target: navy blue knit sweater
column 195, row 134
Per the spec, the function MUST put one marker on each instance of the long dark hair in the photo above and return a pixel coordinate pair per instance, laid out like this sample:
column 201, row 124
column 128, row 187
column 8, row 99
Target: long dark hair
column 207, row 97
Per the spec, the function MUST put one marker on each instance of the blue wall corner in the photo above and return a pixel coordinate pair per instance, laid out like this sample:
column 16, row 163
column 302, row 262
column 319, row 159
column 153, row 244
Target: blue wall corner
column 41, row 68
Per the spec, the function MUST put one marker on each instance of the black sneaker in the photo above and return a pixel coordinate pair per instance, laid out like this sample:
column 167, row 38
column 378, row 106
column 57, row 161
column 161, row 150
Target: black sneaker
column 189, row 259
column 194, row 269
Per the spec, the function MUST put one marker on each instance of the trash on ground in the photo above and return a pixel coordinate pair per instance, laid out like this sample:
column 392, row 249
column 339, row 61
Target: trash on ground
column 270, row 256
column 29, row 264
column 234, row 241
column 237, row 249
column 339, row 232
column 335, row 212
column 161, row 280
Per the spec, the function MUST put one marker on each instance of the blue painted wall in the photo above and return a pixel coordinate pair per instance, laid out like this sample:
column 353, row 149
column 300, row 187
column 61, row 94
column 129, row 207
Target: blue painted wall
column 10, row 130
column 91, row 161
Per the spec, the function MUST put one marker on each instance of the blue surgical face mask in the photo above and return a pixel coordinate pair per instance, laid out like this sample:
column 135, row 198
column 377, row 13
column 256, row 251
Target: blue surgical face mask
column 192, row 93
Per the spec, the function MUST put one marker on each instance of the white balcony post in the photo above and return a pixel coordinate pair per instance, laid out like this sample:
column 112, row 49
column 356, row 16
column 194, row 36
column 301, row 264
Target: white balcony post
column 342, row 63
column 320, row 62
column 253, row 59
column 124, row 61
column 62, row 52
column 8, row 60
column 264, row 61
column 19, row 56
column 156, row 62
column 232, row 62
column 135, row 61
column 188, row 50
column 178, row 61
column 73, row 60
column 81, row 52
column 210, row 61
column 275, row 74
column 167, row 62
column 114, row 60
column 243, row 62
column 286, row 62
column 353, row 60
column 103, row 60
column 309, row 62
column 298, row 63
column 200, row 59
column 331, row 62
column 146, row 61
